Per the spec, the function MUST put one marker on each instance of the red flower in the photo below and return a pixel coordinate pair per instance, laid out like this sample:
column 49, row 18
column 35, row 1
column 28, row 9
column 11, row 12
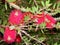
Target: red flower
column 18, row 39
column 9, row 35
column 16, row 17
column 39, row 18
column 49, row 20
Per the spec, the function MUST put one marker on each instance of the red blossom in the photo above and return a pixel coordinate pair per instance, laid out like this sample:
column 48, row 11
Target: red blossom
column 16, row 17
column 48, row 19
column 18, row 39
column 39, row 18
column 9, row 35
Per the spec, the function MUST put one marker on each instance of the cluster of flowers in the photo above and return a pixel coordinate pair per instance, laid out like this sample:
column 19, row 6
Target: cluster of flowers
column 16, row 17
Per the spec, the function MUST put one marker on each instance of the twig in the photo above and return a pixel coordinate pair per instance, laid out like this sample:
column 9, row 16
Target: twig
column 42, row 9
column 2, row 26
column 14, row 5
column 22, row 38
column 36, row 27
column 31, row 37
column 35, row 2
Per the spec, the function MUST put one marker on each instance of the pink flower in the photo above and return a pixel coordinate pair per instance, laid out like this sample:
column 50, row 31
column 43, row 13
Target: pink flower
column 39, row 19
column 15, row 17
column 9, row 35
column 18, row 38
column 49, row 20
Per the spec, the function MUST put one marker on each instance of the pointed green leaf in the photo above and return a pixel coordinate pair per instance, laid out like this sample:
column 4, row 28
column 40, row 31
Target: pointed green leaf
column 47, row 2
column 26, row 18
column 43, row 4
column 27, row 9
column 55, row 43
column 10, row 1
column 5, row 22
column 54, row 6
column 42, row 25
column 49, row 5
column 6, row 6
column 1, row 30
column 42, row 39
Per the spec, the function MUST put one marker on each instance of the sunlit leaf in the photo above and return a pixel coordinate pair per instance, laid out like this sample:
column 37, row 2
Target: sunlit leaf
column 26, row 18
column 55, row 43
column 54, row 6
column 42, row 39
column 42, row 25
column 10, row 0
column 1, row 30
column 6, row 6
column 43, row 4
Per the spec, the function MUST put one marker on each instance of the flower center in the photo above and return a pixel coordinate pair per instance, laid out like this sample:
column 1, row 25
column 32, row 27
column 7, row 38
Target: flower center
column 9, row 38
column 16, row 13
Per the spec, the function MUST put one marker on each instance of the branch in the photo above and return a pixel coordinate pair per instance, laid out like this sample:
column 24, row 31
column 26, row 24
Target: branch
column 35, row 2
column 22, row 38
column 14, row 5
column 2, row 26
column 31, row 37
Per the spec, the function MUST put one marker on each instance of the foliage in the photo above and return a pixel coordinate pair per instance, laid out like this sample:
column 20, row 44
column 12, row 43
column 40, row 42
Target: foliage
column 31, row 36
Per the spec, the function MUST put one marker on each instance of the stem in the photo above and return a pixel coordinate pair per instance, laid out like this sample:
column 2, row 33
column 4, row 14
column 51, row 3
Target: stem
column 31, row 37
column 35, row 2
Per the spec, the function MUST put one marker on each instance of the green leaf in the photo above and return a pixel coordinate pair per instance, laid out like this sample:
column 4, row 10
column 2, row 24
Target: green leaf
column 48, row 4
column 27, row 9
column 33, row 9
column 58, row 23
column 42, row 25
column 55, row 43
column 58, row 10
column 6, row 6
column 43, row 4
column 5, row 22
column 58, row 5
column 26, row 18
column 0, row 21
column 48, row 9
column 42, row 39
column 11, row 1
column 1, row 30
column 54, row 6
column 30, row 1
